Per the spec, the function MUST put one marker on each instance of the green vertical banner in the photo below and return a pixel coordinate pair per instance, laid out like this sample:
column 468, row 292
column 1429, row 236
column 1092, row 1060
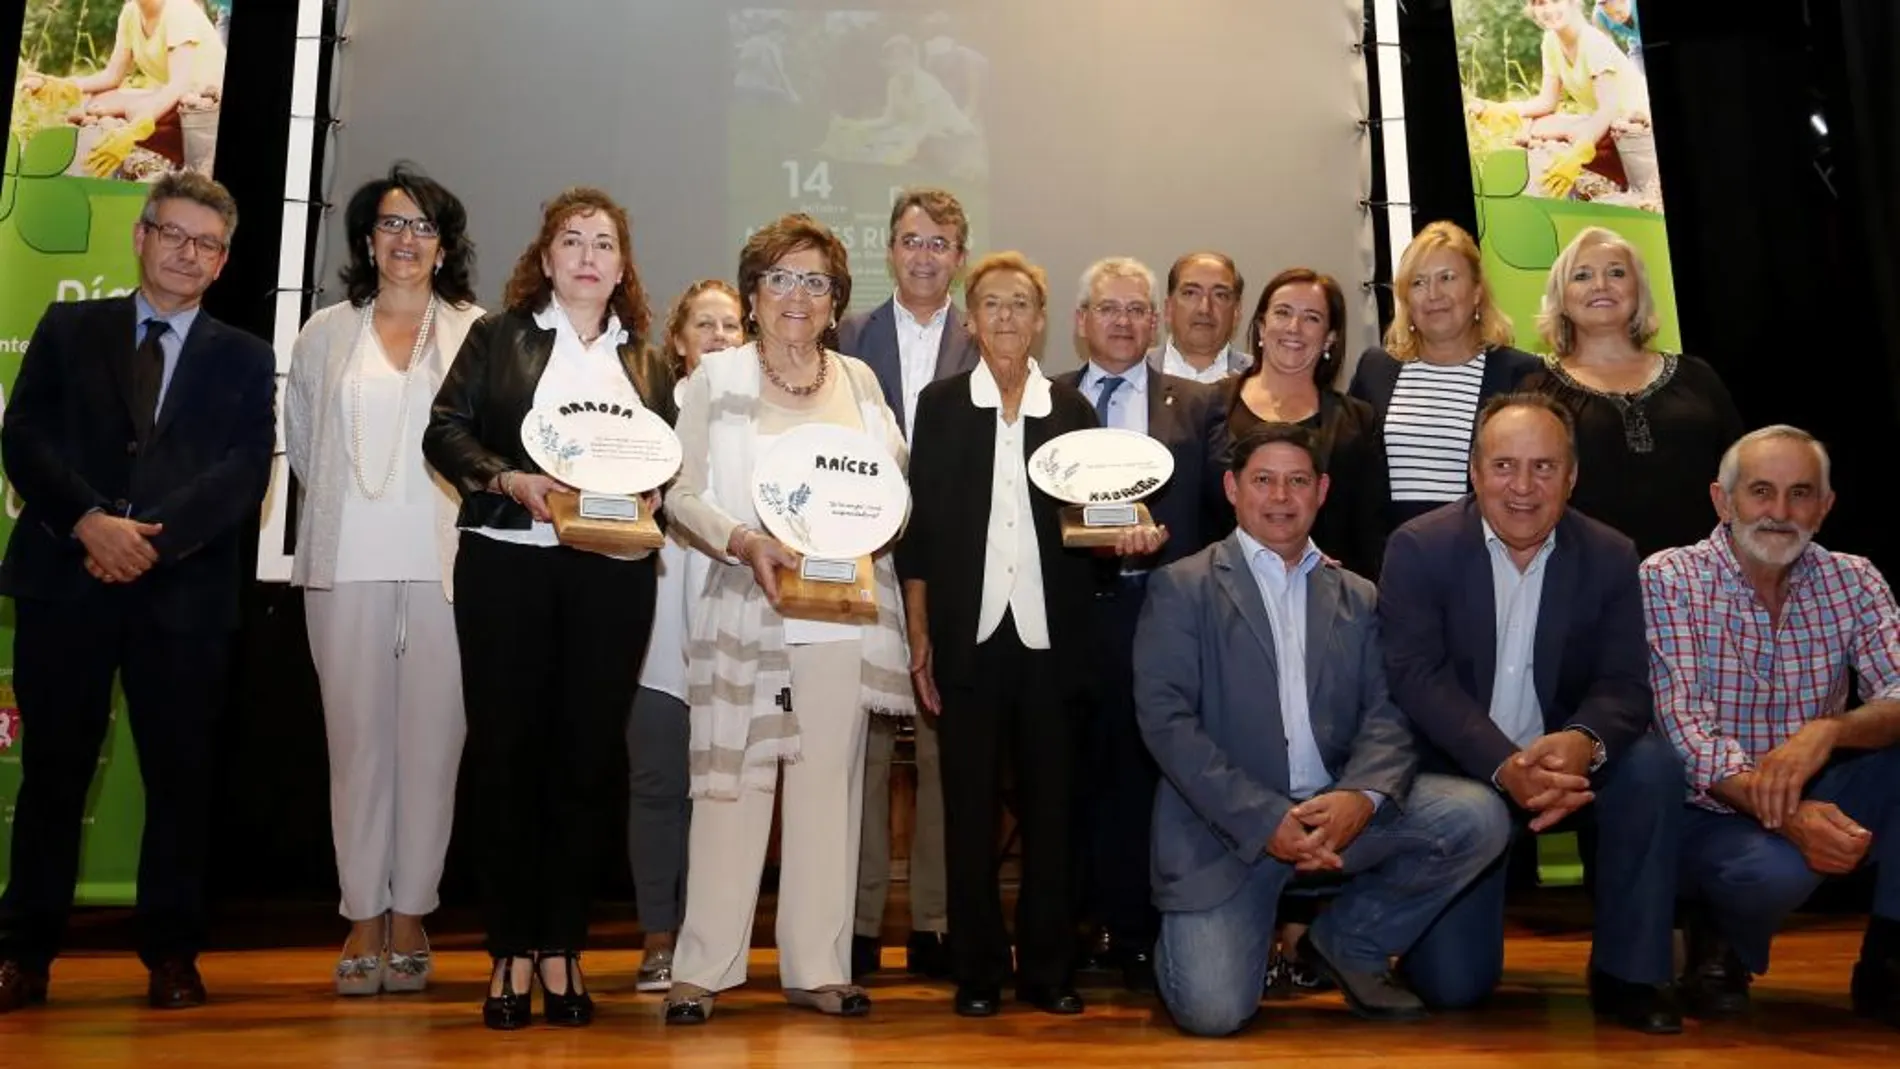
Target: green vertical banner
column 109, row 96
column 1558, row 124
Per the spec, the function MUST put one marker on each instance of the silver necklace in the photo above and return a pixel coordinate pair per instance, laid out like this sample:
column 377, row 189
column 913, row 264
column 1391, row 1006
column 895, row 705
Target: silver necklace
column 402, row 399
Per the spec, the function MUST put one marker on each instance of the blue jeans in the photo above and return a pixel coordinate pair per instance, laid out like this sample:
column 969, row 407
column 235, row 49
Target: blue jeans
column 1406, row 864
column 1752, row 878
column 1638, row 807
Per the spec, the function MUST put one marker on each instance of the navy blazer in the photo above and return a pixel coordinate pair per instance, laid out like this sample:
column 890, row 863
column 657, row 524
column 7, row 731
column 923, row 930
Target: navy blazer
column 872, row 337
column 1377, row 375
column 1438, row 611
column 70, row 446
column 1191, row 420
column 1207, row 696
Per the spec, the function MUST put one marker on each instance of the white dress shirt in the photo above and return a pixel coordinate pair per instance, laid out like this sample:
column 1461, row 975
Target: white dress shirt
column 1230, row 362
column 1514, row 706
column 1284, row 591
column 1012, row 558
column 1128, row 405
column 575, row 372
column 918, row 343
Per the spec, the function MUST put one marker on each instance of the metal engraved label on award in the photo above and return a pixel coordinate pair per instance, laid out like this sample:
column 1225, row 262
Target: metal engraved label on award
column 610, row 453
column 1103, row 473
column 835, row 496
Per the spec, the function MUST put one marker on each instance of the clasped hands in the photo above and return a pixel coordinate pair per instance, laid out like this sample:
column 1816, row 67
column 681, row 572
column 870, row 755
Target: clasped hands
column 1315, row 832
column 1551, row 777
column 118, row 549
column 1830, row 841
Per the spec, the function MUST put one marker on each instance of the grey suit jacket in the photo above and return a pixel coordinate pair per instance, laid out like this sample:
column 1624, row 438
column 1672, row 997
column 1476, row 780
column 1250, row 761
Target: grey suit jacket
column 872, row 337
column 1207, row 697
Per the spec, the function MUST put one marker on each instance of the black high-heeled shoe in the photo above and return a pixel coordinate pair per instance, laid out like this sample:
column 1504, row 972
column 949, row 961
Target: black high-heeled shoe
column 572, row 1009
column 510, row 1009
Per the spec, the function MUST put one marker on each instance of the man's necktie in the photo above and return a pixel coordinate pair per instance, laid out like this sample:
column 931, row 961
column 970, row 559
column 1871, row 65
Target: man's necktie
column 1106, row 390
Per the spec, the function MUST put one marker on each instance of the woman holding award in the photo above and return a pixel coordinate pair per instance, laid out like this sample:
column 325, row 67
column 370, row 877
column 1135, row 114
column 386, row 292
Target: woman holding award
column 375, row 543
column 998, row 618
column 545, row 630
column 776, row 698
column 705, row 319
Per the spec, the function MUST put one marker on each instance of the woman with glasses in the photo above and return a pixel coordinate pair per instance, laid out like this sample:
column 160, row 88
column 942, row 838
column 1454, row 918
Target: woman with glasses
column 1296, row 337
column 744, row 660
column 375, row 549
column 549, row 635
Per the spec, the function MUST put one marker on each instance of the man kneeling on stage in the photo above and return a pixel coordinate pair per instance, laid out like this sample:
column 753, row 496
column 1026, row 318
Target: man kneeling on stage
column 1260, row 688
column 1752, row 633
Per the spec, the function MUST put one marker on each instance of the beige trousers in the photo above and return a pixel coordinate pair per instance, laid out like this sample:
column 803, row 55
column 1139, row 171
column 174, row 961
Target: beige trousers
column 822, row 799
column 929, row 907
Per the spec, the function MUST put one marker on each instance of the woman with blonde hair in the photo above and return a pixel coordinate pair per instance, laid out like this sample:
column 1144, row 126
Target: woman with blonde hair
column 1447, row 352
column 705, row 319
column 1651, row 425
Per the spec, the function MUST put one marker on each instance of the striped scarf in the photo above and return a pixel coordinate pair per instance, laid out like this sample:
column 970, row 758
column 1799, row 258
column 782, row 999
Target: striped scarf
column 738, row 670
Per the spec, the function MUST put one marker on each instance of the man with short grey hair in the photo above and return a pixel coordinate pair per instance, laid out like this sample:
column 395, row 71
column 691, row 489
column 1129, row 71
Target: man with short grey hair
column 1753, row 633
column 139, row 435
column 1115, row 317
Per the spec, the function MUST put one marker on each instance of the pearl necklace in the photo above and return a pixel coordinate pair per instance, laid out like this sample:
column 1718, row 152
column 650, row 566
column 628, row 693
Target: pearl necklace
column 824, row 365
column 402, row 399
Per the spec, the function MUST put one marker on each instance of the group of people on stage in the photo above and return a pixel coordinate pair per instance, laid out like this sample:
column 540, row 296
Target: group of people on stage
column 1230, row 755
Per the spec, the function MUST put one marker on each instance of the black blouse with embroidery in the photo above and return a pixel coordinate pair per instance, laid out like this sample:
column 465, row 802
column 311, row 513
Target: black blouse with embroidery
column 1645, row 460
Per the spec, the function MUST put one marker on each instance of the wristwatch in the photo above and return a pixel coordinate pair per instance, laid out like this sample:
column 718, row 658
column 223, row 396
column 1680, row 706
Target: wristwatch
column 1599, row 754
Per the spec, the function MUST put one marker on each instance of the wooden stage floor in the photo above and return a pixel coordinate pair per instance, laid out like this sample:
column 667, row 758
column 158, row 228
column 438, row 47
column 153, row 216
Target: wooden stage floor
column 272, row 1007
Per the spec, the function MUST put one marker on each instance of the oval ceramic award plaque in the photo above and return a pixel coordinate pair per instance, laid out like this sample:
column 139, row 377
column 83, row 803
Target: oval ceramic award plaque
column 602, row 447
column 830, row 492
column 1101, row 466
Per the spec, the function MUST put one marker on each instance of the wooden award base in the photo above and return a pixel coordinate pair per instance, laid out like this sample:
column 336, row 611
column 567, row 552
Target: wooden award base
column 613, row 536
column 1076, row 532
column 853, row 601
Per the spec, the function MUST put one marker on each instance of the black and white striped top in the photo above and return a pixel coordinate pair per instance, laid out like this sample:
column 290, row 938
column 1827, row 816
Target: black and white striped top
column 1428, row 429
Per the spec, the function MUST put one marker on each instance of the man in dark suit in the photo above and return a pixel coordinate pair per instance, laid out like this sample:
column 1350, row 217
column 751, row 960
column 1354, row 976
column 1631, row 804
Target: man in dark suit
column 139, row 436
column 1261, row 690
column 910, row 341
column 1115, row 317
column 1514, row 642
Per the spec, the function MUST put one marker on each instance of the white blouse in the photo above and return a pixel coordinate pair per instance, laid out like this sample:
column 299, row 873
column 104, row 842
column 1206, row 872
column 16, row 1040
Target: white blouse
column 392, row 537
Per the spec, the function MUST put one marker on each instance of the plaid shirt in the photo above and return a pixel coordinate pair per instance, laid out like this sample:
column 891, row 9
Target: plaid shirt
column 1730, row 684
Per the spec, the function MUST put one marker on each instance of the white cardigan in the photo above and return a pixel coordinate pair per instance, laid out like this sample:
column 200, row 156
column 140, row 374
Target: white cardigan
column 318, row 363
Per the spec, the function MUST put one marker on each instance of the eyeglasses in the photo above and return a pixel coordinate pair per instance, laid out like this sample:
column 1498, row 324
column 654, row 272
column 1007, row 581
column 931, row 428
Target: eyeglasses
column 172, row 237
column 1109, row 311
column 780, row 282
column 422, row 227
column 918, row 243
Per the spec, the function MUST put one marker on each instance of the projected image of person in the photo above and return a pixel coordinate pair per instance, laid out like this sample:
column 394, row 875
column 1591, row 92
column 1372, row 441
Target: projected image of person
column 153, row 105
column 963, row 70
column 1590, row 113
column 749, row 667
column 548, row 634
column 919, row 115
column 759, row 66
column 705, row 319
column 1297, row 336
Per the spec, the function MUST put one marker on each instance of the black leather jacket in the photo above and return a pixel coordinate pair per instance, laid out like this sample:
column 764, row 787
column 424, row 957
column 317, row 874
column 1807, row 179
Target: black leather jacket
column 474, row 431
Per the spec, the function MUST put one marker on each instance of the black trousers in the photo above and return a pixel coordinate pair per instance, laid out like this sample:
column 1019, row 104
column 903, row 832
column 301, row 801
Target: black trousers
column 551, row 641
column 1011, row 714
column 1118, row 786
column 65, row 655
